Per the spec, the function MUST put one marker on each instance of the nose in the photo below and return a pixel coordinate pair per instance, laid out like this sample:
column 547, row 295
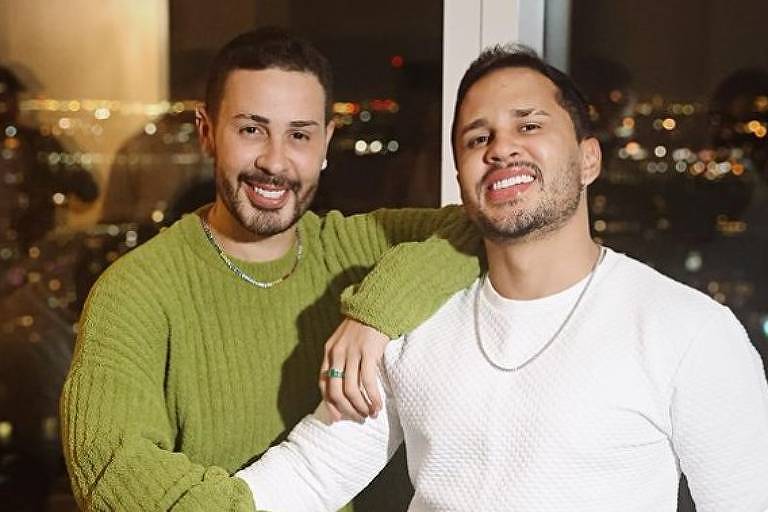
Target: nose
column 272, row 158
column 503, row 148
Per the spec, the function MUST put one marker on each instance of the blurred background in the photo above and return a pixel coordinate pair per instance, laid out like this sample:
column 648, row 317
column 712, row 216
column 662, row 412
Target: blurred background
column 98, row 152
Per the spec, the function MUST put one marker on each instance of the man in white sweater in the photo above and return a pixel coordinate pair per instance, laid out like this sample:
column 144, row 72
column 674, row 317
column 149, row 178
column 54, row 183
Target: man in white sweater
column 570, row 378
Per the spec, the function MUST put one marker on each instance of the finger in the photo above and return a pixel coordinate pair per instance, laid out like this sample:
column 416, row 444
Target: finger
column 352, row 387
column 326, row 364
column 322, row 381
column 335, row 390
column 369, row 383
column 337, row 399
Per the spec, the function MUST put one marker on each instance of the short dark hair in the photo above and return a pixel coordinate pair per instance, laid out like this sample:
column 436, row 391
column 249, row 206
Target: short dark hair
column 267, row 48
column 519, row 56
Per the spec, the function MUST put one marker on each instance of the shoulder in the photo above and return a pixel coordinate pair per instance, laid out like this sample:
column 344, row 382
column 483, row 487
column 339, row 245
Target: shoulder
column 650, row 290
column 443, row 327
column 154, row 261
column 665, row 315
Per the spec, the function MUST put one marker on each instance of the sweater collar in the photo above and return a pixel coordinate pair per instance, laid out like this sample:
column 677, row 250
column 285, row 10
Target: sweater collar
column 195, row 238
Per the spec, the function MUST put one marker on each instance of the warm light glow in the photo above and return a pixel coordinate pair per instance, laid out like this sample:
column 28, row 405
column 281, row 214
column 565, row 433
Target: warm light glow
column 600, row 226
column 669, row 124
column 376, row 146
column 347, row 107
column 101, row 113
column 6, row 430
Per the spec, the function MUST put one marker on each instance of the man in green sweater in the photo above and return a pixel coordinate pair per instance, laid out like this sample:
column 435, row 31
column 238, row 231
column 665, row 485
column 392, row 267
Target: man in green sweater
column 199, row 349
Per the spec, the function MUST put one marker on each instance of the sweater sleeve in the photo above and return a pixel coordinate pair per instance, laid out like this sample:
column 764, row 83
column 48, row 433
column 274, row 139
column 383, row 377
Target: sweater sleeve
column 117, row 437
column 719, row 413
column 323, row 465
column 439, row 253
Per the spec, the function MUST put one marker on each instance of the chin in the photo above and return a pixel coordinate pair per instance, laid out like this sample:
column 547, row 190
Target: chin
column 268, row 223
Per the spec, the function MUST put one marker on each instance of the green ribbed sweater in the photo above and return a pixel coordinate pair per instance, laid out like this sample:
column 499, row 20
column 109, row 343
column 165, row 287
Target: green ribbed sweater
column 183, row 372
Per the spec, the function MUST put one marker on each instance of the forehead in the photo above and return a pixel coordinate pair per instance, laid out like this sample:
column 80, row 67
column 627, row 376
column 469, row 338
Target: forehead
column 274, row 93
column 509, row 88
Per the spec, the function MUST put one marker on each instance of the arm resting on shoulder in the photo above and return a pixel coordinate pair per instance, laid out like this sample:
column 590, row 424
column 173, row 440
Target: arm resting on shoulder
column 407, row 285
column 412, row 280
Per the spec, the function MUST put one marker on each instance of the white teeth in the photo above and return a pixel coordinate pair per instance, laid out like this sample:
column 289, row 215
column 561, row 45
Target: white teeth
column 269, row 194
column 512, row 181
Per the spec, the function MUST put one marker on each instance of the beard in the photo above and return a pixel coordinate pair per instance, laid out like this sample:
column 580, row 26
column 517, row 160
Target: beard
column 259, row 221
column 511, row 222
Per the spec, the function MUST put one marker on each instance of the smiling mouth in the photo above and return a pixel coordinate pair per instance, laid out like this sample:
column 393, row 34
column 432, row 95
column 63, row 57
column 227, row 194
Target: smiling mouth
column 511, row 181
column 269, row 193
column 267, row 196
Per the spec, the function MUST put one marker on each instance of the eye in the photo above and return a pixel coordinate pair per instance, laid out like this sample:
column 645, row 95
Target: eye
column 301, row 136
column 478, row 140
column 529, row 127
column 249, row 130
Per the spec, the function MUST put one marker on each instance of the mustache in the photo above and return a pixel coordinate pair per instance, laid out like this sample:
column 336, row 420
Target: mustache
column 514, row 163
column 262, row 178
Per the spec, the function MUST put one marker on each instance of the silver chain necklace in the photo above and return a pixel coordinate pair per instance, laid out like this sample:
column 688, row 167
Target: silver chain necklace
column 551, row 340
column 239, row 272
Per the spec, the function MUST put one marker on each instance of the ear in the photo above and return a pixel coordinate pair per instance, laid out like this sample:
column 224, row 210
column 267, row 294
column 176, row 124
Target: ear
column 204, row 130
column 591, row 160
column 329, row 133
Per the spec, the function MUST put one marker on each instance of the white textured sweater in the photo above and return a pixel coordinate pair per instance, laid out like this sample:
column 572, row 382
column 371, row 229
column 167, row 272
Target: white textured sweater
column 648, row 378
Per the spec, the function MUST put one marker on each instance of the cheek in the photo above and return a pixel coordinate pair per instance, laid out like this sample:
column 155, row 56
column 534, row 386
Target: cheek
column 471, row 170
column 234, row 154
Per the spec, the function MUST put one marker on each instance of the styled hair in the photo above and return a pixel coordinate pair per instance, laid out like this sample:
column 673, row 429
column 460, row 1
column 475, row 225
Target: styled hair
column 267, row 48
column 519, row 56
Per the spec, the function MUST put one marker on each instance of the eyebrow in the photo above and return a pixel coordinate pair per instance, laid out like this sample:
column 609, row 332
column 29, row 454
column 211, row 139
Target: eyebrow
column 516, row 113
column 525, row 112
column 264, row 120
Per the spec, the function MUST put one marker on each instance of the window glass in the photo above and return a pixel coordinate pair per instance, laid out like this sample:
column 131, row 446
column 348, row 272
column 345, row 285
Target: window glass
column 680, row 101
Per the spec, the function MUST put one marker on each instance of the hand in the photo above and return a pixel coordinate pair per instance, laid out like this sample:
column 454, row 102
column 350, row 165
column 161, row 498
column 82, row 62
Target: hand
column 356, row 349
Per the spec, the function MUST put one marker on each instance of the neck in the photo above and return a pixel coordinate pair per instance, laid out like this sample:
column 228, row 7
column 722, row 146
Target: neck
column 531, row 269
column 243, row 244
